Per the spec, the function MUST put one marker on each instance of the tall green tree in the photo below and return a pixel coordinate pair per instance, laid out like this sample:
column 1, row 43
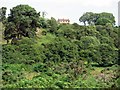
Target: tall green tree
column 97, row 18
column 22, row 21
column 86, row 18
column 3, row 14
column 106, row 18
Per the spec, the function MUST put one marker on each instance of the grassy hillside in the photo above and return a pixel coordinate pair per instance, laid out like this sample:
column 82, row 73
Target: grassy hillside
column 42, row 53
column 37, row 63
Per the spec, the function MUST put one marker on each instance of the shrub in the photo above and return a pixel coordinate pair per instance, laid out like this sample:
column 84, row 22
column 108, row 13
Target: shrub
column 41, row 67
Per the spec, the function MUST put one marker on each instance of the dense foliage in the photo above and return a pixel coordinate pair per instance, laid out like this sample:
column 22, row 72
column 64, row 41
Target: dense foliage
column 2, row 14
column 61, row 55
column 22, row 21
column 97, row 18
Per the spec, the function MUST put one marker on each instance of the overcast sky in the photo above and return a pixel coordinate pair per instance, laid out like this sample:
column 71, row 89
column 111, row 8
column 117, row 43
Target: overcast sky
column 71, row 9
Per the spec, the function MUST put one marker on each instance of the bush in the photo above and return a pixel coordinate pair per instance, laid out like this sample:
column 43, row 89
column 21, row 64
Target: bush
column 41, row 67
column 60, row 50
column 26, row 51
column 108, row 55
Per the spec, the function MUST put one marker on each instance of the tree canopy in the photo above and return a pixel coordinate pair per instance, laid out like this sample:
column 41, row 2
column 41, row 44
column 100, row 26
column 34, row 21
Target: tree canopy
column 97, row 18
column 3, row 14
column 22, row 21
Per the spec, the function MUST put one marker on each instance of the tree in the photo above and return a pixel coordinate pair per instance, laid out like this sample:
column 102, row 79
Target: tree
column 88, row 46
column 86, row 17
column 43, row 22
column 3, row 20
column 10, row 31
column 97, row 18
column 52, row 25
column 3, row 14
column 108, row 55
column 60, row 50
column 103, row 21
column 22, row 21
column 66, row 31
column 106, row 18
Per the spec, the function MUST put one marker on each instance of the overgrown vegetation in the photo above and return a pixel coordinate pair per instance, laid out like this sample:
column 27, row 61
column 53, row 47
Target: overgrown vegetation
column 59, row 55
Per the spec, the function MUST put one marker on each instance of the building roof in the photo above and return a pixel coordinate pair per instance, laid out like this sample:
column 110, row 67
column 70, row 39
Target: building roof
column 63, row 20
